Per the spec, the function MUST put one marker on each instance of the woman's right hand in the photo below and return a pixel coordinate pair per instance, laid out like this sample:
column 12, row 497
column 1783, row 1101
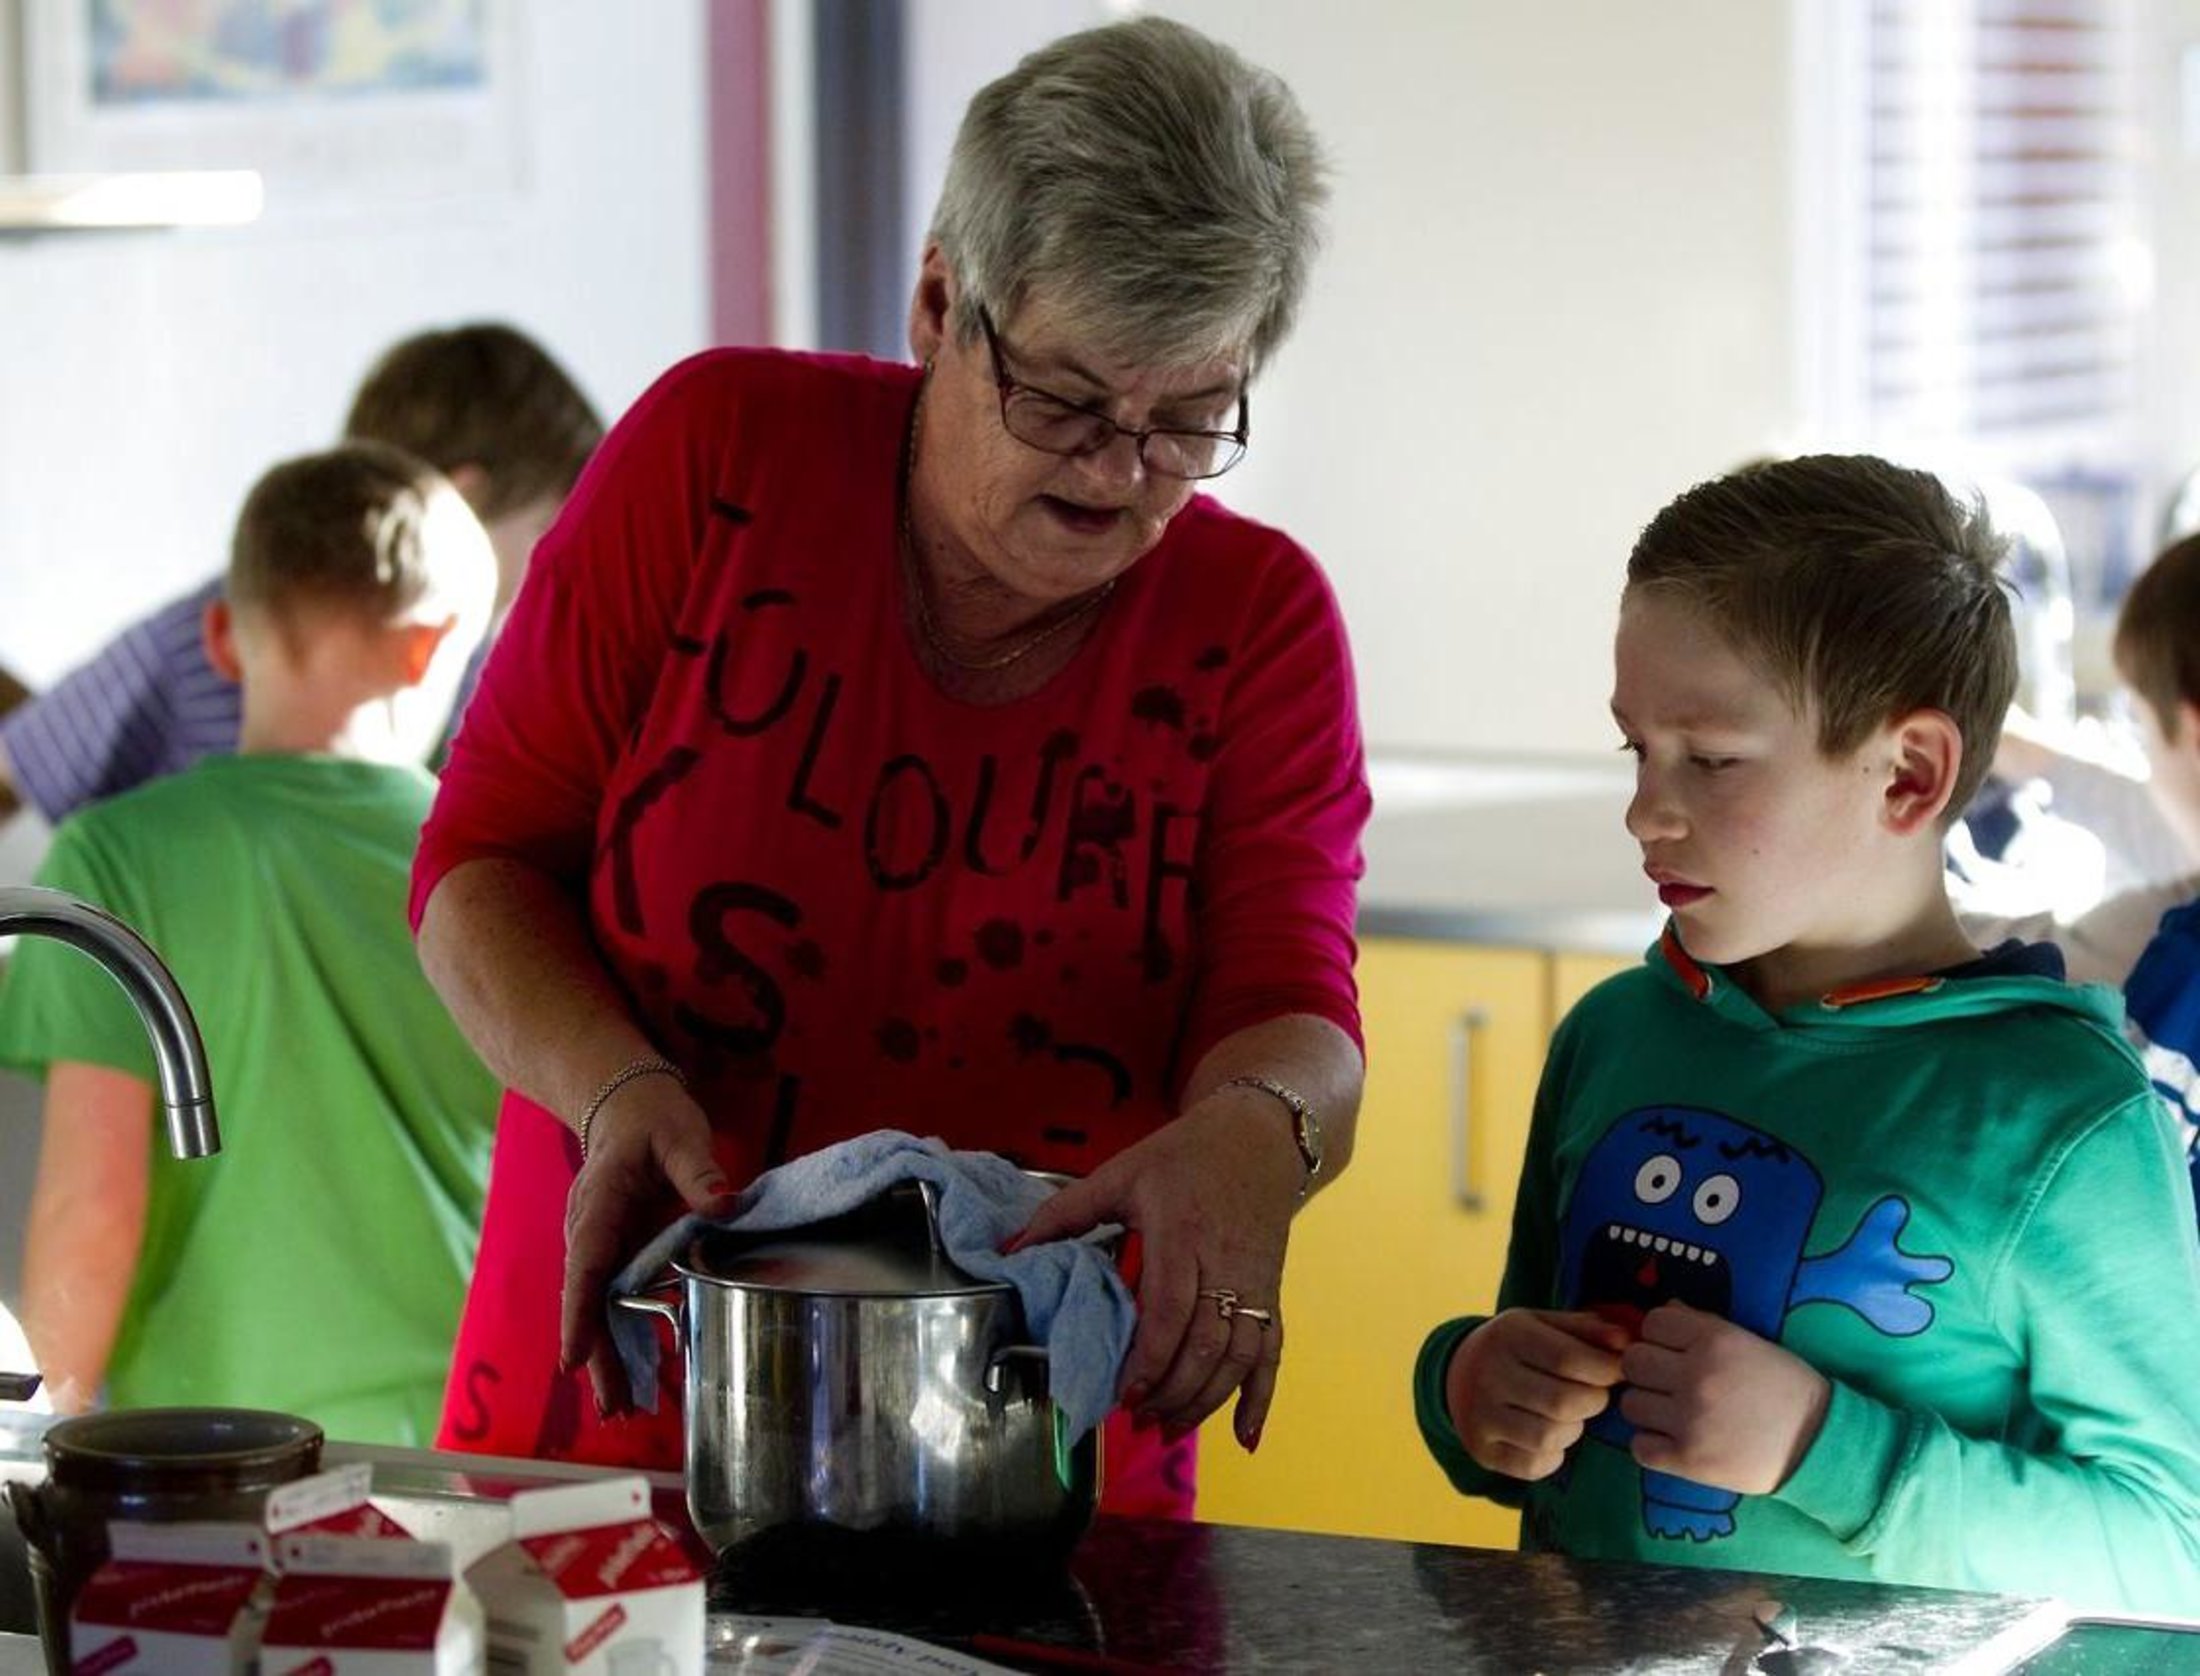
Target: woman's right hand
column 649, row 1156
column 1523, row 1386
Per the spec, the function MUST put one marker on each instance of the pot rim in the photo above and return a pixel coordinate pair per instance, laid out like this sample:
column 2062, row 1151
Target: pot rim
column 682, row 1265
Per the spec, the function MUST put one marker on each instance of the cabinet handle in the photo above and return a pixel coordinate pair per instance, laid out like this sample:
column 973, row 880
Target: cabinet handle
column 1463, row 1030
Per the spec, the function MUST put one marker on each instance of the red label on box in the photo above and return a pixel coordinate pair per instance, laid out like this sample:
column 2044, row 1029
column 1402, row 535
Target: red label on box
column 110, row 1657
column 400, row 1613
column 149, row 1594
column 595, row 1635
column 607, row 1559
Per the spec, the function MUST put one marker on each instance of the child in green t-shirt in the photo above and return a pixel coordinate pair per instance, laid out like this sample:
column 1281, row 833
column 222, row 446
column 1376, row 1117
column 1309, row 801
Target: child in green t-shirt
column 1841, row 1248
column 317, row 1264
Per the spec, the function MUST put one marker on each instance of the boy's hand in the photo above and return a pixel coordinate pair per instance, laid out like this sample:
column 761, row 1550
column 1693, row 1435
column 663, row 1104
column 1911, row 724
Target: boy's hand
column 1714, row 1403
column 1522, row 1386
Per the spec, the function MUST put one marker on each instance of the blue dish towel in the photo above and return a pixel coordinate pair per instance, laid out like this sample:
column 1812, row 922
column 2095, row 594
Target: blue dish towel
column 1074, row 1301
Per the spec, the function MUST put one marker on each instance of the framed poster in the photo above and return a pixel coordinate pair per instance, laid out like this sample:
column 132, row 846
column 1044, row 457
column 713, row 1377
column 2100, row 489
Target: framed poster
column 334, row 102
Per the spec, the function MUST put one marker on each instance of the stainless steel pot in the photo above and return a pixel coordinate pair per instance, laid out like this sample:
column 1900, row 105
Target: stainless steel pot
column 852, row 1396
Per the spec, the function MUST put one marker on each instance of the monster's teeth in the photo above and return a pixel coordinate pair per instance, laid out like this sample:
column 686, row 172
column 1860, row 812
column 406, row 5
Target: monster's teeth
column 1689, row 1252
column 1664, row 1244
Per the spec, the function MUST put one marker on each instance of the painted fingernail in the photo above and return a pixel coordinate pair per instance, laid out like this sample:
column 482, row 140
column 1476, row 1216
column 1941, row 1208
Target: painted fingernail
column 1176, row 1431
column 1137, row 1394
column 1252, row 1444
column 1145, row 1421
column 1015, row 1243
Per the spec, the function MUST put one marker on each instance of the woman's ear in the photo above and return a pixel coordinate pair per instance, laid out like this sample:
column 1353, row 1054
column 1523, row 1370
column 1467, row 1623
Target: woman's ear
column 931, row 305
column 218, row 633
column 1927, row 752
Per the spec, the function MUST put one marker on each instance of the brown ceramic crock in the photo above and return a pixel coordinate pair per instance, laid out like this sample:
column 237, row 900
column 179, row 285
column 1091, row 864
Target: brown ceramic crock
column 157, row 1465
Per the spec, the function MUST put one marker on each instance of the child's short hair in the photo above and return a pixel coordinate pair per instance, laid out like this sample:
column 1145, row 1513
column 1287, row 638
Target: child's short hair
column 344, row 531
column 484, row 395
column 1862, row 589
column 2158, row 633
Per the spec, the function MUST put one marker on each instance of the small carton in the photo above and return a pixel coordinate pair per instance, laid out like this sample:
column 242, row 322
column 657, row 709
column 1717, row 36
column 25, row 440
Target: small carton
column 591, row 1585
column 368, row 1606
column 330, row 1504
column 170, row 1600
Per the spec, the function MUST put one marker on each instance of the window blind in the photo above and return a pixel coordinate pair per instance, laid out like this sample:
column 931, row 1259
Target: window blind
column 2001, row 220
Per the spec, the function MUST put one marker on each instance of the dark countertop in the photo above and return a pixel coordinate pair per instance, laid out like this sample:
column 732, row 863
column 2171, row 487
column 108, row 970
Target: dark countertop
column 1143, row 1596
column 1146, row 1596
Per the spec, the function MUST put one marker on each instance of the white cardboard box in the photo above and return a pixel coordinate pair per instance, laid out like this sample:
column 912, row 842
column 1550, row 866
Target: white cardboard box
column 171, row 1600
column 591, row 1585
column 330, row 1504
column 368, row 1606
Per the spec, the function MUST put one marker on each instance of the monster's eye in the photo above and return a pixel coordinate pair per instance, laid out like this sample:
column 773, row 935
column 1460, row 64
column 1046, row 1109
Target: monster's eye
column 1658, row 1180
column 1717, row 1199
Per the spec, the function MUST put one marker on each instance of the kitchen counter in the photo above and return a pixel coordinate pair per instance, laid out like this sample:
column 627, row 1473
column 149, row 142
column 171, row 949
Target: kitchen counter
column 1146, row 1596
column 1529, row 853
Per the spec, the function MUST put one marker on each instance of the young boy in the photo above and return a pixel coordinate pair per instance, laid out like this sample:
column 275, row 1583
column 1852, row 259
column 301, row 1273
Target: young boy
column 1841, row 1249
column 317, row 1265
column 484, row 403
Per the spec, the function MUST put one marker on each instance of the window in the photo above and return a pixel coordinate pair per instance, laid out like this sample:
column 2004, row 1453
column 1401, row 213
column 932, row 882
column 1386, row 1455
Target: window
column 1974, row 260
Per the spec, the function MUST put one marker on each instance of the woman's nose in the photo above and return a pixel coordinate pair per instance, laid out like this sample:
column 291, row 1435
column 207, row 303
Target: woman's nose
column 1117, row 467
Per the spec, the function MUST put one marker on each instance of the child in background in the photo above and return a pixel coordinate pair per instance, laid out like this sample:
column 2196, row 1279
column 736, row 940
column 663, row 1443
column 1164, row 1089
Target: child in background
column 1841, row 1249
column 2148, row 939
column 318, row 1263
column 484, row 403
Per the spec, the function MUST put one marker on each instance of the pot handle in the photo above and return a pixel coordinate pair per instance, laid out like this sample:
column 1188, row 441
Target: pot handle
column 997, row 1363
column 656, row 1303
column 30, row 1514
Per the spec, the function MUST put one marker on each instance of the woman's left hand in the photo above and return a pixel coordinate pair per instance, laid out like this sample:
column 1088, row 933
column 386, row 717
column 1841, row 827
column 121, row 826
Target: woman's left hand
column 1211, row 1197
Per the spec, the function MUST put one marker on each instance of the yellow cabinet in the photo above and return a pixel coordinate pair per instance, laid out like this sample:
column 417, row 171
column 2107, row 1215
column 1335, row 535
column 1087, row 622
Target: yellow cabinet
column 1414, row 1232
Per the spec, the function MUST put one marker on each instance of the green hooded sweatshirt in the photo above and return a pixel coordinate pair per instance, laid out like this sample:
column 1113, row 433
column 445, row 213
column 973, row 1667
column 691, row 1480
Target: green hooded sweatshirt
column 1957, row 1198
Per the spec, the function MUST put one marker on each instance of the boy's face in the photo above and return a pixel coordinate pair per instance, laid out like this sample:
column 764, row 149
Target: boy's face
column 1759, row 844
column 2173, row 768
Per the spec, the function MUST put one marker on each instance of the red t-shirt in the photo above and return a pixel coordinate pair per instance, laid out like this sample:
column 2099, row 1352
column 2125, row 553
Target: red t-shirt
column 843, row 901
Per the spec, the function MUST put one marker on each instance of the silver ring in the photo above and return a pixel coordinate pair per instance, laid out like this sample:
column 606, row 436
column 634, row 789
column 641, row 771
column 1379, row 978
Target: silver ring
column 1228, row 1307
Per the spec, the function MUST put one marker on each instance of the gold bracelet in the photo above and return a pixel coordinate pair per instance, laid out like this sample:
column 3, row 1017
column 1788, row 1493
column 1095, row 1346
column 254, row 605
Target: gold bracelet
column 650, row 1067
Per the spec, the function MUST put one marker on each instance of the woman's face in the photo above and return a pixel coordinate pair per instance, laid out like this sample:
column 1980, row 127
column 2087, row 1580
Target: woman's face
column 1048, row 527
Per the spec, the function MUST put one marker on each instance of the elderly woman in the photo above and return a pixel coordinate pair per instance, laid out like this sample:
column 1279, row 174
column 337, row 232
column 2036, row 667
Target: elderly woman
column 878, row 746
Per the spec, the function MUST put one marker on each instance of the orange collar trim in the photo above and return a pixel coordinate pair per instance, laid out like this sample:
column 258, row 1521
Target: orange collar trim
column 1881, row 989
column 1697, row 979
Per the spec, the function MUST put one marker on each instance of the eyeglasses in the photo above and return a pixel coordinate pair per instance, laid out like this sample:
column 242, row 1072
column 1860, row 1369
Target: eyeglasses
column 1056, row 425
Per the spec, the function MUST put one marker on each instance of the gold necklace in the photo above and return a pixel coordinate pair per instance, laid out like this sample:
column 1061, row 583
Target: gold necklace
column 925, row 625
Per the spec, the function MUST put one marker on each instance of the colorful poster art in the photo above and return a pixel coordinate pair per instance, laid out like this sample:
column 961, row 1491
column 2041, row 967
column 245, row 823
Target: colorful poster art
column 152, row 51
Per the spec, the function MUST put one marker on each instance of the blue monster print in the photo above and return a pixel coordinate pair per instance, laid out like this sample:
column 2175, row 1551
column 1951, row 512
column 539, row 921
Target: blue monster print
column 1681, row 1205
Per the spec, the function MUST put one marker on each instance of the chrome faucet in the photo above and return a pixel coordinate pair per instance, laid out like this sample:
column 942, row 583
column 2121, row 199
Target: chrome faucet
column 186, row 1091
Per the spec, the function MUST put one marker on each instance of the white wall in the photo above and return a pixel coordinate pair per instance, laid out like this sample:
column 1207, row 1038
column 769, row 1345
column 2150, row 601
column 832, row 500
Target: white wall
column 1557, row 292
column 147, row 379
column 954, row 48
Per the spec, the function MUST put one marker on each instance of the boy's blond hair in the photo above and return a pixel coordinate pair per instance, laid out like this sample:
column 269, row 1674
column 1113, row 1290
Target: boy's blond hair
column 2158, row 633
column 1862, row 590
column 344, row 532
column 485, row 395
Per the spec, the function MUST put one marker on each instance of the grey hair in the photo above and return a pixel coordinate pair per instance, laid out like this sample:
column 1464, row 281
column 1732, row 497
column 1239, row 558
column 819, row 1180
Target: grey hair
column 1164, row 192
